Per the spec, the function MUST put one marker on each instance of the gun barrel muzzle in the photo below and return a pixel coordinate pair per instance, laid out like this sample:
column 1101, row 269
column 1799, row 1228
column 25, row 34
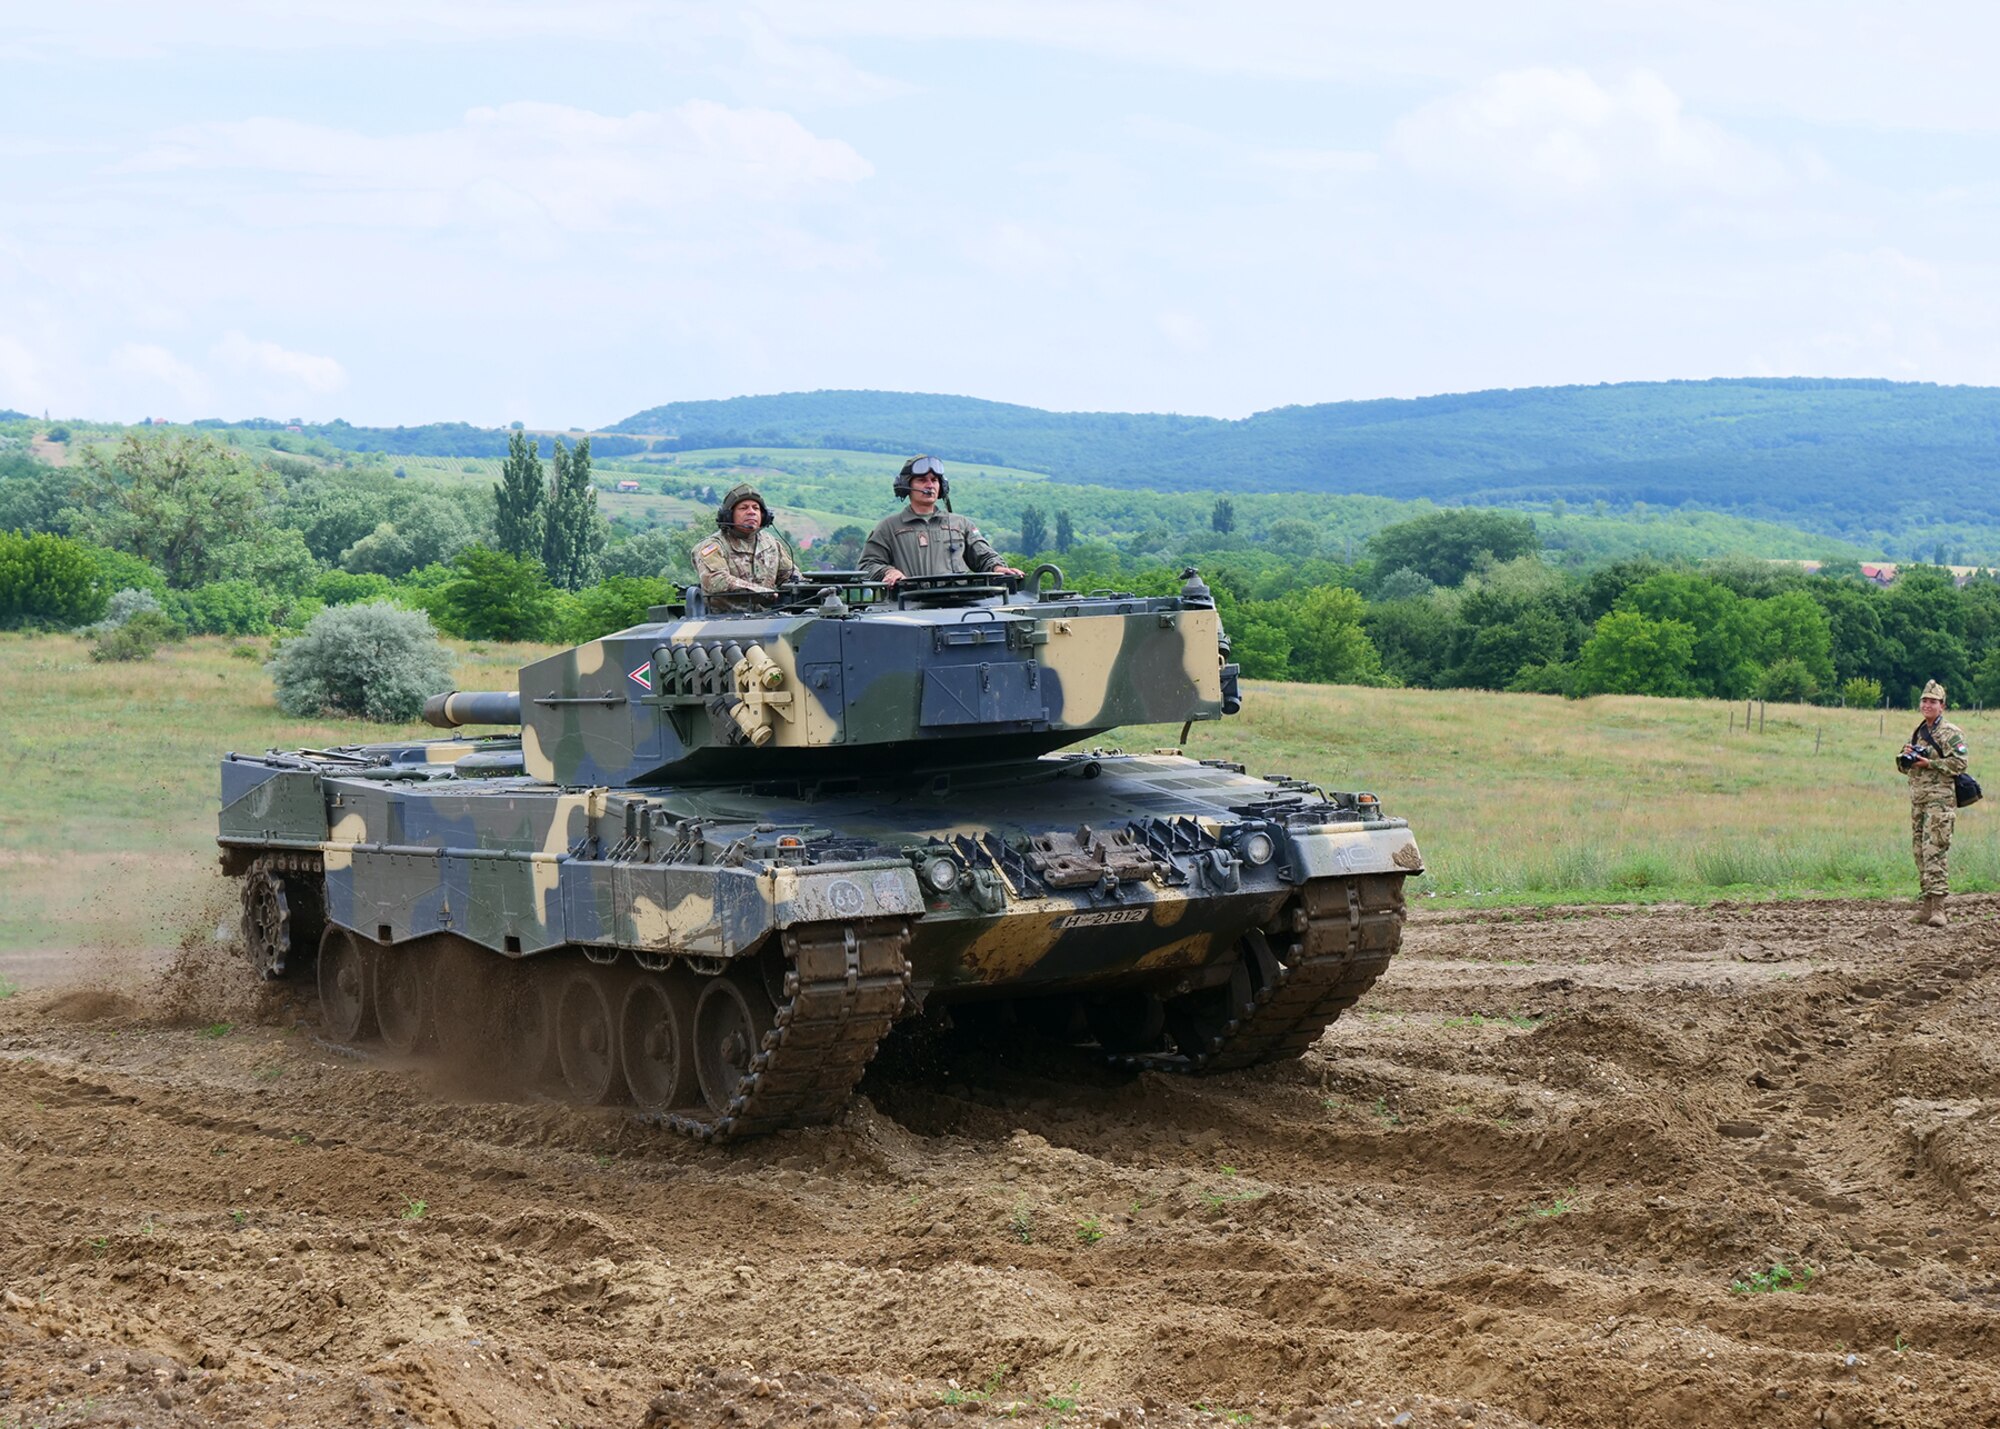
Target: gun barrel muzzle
column 457, row 707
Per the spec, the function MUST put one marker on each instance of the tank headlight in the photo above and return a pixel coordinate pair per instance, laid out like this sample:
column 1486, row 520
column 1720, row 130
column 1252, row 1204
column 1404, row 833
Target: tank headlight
column 1258, row 848
column 939, row 874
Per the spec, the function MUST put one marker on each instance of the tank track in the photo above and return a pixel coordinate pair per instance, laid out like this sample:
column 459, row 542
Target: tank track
column 1326, row 949
column 845, row 985
column 284, row 909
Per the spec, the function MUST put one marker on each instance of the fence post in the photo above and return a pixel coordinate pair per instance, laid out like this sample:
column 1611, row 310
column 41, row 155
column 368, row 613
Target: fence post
column 1760, row 716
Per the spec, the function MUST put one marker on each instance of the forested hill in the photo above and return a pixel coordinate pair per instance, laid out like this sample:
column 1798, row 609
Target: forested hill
column 1848, row 457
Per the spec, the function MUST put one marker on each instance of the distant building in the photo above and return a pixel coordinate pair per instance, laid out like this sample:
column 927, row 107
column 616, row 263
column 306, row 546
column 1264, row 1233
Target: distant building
column 1883, row 573
column 628, row 486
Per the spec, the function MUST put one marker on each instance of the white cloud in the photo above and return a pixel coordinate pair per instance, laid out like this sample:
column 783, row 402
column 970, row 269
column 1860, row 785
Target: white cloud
column 160, row 373
column 317, row 375
column 1185, row 332
column 1544, row 132
column 589, row 171
column 22, row 383
column 1017, row 251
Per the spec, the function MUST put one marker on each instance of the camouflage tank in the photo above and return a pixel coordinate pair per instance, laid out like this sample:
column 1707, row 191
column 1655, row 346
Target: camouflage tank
column 726, row 853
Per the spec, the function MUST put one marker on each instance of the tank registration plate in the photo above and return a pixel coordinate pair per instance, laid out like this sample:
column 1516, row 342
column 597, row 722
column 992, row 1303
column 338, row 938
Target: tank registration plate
column 1102, row 918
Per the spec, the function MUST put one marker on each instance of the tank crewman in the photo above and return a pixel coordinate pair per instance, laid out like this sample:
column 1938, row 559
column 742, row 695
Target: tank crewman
column 745, row 561
column 921, row 540
column 1933, row 760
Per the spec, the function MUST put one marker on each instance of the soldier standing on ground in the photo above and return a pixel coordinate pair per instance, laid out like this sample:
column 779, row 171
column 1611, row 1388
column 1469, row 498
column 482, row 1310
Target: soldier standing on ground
column 1933, row 760
column 921, row 540
column 745, row 561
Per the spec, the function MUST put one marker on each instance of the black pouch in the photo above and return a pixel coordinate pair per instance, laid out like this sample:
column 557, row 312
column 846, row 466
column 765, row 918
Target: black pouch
column 1965, row 789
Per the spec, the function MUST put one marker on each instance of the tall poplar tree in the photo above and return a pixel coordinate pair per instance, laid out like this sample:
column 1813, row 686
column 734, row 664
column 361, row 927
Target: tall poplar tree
column 574, row 535
column 519, row 496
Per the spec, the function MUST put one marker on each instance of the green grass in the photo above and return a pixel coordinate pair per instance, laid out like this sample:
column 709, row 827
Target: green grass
column 1558, row 1206
column 1530, row 799
column 1779, row 1279
column 108, row 782
column 108, row 789
column 415, row 1210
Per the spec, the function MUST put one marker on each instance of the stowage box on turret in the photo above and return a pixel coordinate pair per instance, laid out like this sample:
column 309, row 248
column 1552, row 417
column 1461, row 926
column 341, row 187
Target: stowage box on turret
column 725, row 854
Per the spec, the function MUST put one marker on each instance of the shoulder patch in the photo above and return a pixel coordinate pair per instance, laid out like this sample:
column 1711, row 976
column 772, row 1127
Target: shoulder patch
column 708, row 547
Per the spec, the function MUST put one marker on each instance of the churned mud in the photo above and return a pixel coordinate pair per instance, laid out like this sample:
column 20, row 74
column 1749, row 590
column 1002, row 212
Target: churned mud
column 1669, row 1167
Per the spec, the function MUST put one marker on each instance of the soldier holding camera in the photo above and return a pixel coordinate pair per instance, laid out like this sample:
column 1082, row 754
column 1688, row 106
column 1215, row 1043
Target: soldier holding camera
column 1933, row 759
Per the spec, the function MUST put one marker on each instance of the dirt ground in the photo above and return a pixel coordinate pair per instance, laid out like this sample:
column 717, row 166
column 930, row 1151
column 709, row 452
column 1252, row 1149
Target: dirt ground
column 1541, row 1175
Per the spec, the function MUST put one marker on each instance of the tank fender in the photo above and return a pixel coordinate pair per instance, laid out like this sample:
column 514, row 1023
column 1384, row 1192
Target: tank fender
column 874, row 888
column 701, row 910
column 1344, row 850
column 263, row 801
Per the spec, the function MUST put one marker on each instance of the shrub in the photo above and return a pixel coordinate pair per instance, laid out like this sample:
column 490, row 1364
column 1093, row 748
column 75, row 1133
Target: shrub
column 609, row 605
column 350, row 588
column 134, row 638
column 1861, row 693
column 1787, row 681
column 370, row 661
column 126, row 604
column 47, row 580
column 236, row 607
column 492, row 596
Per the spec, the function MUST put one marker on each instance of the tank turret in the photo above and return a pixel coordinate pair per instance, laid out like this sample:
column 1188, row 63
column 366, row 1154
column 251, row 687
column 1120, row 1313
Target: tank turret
column 931, row 673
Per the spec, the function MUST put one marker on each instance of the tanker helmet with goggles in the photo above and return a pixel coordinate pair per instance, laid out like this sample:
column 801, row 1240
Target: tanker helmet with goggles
column 922, row 466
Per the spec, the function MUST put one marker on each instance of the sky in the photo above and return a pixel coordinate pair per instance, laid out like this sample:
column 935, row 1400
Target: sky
column 564, row 211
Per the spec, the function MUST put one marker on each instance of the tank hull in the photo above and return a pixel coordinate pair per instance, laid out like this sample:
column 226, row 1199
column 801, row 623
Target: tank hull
column 1179, row 914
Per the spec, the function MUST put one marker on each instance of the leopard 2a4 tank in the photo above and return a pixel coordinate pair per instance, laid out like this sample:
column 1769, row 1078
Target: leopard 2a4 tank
column 726, row 853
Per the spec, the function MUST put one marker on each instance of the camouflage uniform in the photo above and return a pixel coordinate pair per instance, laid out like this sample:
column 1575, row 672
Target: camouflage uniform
column 1934, row 804
column 940, row 544
column 741, row 571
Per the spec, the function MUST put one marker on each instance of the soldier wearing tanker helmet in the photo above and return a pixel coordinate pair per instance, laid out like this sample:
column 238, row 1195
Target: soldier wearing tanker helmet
column 745, row 561
column 1933, row 759
column 921, row 540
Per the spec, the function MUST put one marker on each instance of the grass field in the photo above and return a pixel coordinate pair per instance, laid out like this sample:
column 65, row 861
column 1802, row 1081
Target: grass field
column 107, row 804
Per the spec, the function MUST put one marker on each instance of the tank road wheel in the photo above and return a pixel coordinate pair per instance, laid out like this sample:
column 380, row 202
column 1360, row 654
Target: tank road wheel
column 587, row 1037
column 403, row 996
column 730, row 1021
column 344, row 977
column 655, row 1026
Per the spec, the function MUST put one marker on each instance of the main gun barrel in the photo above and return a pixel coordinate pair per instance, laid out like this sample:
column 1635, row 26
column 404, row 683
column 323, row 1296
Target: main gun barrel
column 457, row 707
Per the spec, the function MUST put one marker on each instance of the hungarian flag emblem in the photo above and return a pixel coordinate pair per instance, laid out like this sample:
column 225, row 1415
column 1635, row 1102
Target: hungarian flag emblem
column 643, row 676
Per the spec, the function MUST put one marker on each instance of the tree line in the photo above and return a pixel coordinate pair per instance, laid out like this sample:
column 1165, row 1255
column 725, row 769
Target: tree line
column 217, row 542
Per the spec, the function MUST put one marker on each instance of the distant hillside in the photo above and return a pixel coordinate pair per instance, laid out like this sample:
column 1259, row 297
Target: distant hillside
column 1899, row 466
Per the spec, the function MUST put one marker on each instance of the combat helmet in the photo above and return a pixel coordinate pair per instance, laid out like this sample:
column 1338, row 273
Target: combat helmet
column 923, row 466
column 725, row 514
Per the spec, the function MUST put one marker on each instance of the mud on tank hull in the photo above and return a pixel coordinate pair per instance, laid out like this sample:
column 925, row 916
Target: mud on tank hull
column 727, row 959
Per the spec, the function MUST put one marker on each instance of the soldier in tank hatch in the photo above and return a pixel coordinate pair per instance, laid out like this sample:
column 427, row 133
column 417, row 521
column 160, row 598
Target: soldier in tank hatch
column 1933, row 759
column 921, row 540
column 745, row 561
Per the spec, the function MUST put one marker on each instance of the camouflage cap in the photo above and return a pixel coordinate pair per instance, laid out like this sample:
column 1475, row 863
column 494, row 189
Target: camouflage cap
column 1933, row 691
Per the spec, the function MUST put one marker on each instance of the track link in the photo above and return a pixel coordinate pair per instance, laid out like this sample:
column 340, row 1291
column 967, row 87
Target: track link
column 845, row 984
column 1326, row 949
